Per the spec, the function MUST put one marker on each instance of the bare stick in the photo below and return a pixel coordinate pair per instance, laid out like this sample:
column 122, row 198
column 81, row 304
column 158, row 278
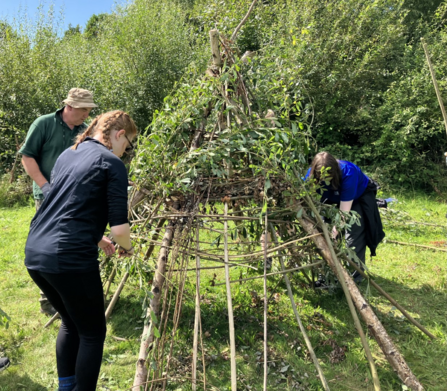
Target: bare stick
column 391, row 300
column 416, row 245
column 51, row 321
column 15, row 161
column 109, row 282
column 265, row 299
column 297, row 316
column 116, row 295
column 339, row 274
column 230, row 307
column 435, row 83
column 276, row 273
column 146, row 382
column 233, row 36
column 197, row 316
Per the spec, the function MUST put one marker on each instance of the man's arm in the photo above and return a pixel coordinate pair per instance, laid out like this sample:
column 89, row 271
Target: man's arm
column 32, row 169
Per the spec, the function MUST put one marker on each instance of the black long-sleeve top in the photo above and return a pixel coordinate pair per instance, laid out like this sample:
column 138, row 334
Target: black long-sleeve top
column 88, row 190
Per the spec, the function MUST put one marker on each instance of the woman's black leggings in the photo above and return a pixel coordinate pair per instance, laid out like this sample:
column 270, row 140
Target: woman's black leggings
column 78, row 297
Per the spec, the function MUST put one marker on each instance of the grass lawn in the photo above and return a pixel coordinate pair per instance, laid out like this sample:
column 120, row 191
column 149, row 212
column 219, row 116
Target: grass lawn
column 414, row 276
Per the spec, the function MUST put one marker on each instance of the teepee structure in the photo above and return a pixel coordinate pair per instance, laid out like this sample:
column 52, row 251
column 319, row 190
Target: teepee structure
column 226, row 157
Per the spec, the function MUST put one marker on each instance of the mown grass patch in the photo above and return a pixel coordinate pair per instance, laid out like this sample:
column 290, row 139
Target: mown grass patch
column 415, row 277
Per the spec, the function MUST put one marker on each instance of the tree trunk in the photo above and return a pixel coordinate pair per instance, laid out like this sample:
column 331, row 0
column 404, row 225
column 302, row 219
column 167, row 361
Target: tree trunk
column 376, row 328
column 148, row 332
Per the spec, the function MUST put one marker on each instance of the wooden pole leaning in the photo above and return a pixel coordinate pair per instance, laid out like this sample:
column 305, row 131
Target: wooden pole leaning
column 391, row 300
column 230, row 306
column 338, row 270
column 116, row 295
column 375, row 327
column 297, row 315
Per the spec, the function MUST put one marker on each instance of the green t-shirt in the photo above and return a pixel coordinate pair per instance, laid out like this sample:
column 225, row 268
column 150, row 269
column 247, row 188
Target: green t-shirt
column 47, row 138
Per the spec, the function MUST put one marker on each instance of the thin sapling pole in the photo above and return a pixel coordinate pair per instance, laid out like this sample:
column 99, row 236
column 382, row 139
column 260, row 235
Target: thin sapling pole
column 157, row 286
column 197, row 315
column 297, row 315
column 435, row 83
column 230, row 306
column 265, row 299
column 116, row 295
column 339, row 274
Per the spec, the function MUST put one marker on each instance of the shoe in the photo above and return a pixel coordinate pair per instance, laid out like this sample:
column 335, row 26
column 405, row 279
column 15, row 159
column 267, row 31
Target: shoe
column 357, row 277
column 4, row 363
column 321, row 282
column 47, row 309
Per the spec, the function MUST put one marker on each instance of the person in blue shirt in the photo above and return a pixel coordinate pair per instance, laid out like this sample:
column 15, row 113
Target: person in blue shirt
column 88, row 190
column 350, row 189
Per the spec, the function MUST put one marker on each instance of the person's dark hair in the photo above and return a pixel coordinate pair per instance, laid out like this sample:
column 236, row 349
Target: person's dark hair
column 105, row 123
column 325, row 159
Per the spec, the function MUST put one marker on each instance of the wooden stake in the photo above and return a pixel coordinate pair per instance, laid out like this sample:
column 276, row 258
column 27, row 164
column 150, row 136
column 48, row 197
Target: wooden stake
column 197, row 316
column 375, row 327
column 297, row 316
column 391, row 300
column 266, row 242
column 338, row 270
column 157, row 285
column 230, row 306
column 214, row 38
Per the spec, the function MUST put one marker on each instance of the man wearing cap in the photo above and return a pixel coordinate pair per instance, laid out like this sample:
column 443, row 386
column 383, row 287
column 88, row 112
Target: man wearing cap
column 48, row 136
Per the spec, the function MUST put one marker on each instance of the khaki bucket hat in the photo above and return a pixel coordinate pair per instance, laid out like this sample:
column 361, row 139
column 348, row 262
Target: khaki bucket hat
column 78, row 98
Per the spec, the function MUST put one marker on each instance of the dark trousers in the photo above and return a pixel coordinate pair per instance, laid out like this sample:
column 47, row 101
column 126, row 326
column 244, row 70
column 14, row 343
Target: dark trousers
column 356, row 237
column 359, row 236
column 78, row 297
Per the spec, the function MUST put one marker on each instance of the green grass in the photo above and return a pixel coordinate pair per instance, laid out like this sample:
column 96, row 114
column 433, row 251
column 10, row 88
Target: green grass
column 416, row 278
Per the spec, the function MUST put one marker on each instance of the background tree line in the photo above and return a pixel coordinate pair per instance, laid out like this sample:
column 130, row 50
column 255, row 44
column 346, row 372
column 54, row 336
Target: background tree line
column 358, row 66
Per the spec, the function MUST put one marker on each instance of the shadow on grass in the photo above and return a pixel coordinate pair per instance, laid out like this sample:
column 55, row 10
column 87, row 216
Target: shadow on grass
column 326, row 318
column 125, row 320
column 11, row 380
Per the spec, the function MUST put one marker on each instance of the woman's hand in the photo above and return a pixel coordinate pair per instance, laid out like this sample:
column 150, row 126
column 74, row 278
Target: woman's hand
column 126, row 253
column 334, row 232
column 345, row 206
column 107, row 246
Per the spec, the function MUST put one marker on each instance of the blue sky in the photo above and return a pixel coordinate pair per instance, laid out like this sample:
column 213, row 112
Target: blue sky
column 75, row 11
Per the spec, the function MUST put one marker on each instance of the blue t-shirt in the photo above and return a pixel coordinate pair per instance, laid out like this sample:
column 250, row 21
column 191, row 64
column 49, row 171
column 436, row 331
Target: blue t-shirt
column 352, row 186
column 88, row 190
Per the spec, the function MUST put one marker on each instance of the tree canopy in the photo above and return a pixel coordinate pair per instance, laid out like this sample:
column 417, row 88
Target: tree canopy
column 359, row 67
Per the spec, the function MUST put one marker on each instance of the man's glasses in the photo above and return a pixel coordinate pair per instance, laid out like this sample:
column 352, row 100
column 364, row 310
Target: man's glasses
column 130, row 148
